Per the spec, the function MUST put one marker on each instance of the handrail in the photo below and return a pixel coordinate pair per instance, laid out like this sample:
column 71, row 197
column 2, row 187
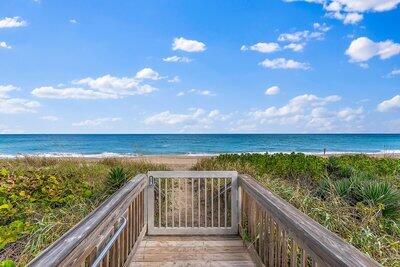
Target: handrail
column 109, row 244
column 272, row 219
column 95, row 228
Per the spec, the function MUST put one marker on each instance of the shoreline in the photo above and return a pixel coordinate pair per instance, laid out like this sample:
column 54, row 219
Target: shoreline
column 176, row 162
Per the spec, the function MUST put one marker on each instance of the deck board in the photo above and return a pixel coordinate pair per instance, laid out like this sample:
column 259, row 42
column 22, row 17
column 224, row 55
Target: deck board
column 192, row 251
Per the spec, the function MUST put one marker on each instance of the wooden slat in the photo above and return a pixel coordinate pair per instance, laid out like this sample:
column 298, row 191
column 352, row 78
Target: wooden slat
column 75, row 245
column 321, row 245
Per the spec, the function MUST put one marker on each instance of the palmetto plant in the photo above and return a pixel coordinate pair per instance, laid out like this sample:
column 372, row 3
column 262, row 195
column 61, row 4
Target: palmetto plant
column 376, row 193
column 116, row 178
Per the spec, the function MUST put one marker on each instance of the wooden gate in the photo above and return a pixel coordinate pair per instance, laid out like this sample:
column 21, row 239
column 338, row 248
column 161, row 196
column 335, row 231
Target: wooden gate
column 192, row 203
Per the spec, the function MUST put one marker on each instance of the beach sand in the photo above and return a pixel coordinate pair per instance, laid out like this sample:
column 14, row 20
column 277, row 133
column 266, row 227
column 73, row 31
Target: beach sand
column 172, row 162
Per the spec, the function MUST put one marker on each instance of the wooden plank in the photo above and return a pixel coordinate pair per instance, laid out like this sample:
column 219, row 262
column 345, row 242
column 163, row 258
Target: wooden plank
column 194, row 263
column 327, row 247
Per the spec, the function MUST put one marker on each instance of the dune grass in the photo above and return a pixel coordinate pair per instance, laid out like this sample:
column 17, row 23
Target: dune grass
column 355, row 196
column 41, row 198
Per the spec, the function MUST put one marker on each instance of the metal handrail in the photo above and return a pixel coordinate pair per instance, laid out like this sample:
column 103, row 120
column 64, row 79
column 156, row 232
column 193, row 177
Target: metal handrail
column 109, row 244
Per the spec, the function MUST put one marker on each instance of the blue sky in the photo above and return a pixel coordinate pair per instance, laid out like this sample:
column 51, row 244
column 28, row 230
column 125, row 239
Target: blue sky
column 199, row 66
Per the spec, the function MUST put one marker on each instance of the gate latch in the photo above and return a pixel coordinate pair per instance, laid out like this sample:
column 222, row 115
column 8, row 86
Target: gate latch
column 151, row 181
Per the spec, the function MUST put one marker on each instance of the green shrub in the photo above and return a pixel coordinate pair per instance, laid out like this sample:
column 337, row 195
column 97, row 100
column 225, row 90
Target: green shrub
column 7, row 263
column 375, row 193
column 116, row 178
column 343, row 188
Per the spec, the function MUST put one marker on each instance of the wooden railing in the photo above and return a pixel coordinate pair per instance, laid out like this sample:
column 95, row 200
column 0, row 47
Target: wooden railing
column 108, row 236
column 192, row 203
column 281, row 235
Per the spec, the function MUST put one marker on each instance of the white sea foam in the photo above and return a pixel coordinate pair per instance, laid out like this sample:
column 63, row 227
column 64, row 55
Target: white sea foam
column 120, row 155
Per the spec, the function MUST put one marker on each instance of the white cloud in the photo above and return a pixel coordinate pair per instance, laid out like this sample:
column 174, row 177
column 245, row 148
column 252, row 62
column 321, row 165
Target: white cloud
column 195, row 119
column 301, row 36
column 395, row 72
column 390, row 104
column 197, row 92
column 96, row 122
column 10, row 105
column 308, row 112
column 362, row 49
column 73, row 21
column 167, row 117
column 283, row 63
column 321, row 27
column 349, row 114
column 176, row 79
column 148, row 73
column 103, row 87
column 49, row 118
column 70, row 93
column 4, row 45
column 14, row 22
column 177, row 59
column 273, row 90
column 350, row 11
column 188, row 45
column 295, row 47
column 5, row 89
column 17, row 105
column 262, row 47
column 296, row 106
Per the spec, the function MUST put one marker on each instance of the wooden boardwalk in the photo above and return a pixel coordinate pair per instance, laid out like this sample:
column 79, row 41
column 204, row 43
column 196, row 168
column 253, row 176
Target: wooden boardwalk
column 192, row 251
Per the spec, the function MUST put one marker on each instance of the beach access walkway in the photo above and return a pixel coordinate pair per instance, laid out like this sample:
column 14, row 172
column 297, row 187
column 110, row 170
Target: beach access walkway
column 198, row 218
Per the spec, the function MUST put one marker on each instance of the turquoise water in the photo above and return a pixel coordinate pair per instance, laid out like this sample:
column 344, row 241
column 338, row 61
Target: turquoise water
column 193, row 144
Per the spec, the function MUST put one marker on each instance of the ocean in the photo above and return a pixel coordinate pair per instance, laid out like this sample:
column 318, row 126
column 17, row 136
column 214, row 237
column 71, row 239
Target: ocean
column 102, row 145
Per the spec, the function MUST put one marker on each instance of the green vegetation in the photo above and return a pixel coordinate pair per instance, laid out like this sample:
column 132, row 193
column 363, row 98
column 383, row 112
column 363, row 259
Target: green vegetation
column 40, row 199
column 355, row 196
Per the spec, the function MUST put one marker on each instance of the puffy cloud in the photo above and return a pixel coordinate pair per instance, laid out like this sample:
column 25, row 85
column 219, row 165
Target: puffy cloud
column 188, row 45
column 177, row 59
column 350, row 11
column 194, row 120
column 4, row 45
column 390, row 104
column 349, row 114
column 49, row 118
column 10, row 105
column 5, row 89
column 310, row 112
column 262, row 47
column 73, row 21
column 175, row 79
column 103, row 87
column 321, row 27
column 14, row 22
column 296, row 106
column 394, row 72
column 167, row 117
column 273, row 90
column 283, row 63
column 18, row 105
column 148, row 73
column 295, row 47
column 362, row 49
column 300, row 36
column 96, row 122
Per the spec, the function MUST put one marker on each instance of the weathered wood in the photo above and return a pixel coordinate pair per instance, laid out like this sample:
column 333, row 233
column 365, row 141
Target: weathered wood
column 176, row 192
column 184, row 251
column 76, row 246
column 316, row 242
